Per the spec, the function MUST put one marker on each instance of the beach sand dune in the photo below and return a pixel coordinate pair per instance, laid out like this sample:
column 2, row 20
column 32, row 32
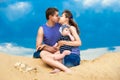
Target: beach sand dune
column 106, row 67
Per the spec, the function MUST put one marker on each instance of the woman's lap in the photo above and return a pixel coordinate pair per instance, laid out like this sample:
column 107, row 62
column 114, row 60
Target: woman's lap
column 71, row 60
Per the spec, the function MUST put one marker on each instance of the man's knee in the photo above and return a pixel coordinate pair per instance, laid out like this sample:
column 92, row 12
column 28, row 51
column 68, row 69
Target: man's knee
column 45, row 54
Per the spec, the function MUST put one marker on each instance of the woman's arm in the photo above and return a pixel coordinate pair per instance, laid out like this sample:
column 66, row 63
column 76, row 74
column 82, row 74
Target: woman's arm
column 76, row 42
column 71, row 37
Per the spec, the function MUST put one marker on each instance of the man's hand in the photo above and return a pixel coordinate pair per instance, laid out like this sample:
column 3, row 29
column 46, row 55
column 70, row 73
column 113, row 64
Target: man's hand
column 50, row 49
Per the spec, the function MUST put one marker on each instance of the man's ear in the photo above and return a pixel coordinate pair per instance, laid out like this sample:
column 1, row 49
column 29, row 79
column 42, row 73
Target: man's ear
column 50, row 16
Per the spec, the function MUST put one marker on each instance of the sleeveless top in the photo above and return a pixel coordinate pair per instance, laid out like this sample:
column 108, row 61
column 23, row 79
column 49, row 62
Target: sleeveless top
column 51, row 34
column 75, row 50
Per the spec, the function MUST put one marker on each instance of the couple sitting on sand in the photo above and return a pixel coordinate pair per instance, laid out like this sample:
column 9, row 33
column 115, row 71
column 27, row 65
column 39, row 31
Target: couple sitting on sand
column 58, row 41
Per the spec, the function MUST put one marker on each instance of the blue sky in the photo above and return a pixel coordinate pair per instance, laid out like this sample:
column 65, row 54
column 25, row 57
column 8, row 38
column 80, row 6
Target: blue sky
column 98, row 22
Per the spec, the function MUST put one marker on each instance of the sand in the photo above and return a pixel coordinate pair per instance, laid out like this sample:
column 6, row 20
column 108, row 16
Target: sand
column 106, row 67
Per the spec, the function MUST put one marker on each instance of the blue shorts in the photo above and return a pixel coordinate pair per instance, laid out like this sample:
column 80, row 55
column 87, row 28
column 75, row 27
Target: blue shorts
column 71, row 60
column 36, row 54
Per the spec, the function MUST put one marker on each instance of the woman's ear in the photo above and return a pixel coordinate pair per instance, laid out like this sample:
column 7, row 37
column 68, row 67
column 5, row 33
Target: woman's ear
column 67, row 19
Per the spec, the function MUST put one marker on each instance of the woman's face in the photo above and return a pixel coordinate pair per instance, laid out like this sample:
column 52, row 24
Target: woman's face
column 63, row 19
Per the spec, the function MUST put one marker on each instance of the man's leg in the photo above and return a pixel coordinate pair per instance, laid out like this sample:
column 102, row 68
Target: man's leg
column 48, row 58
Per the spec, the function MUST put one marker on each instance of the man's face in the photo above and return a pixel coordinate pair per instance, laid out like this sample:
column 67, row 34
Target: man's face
column 55, row 17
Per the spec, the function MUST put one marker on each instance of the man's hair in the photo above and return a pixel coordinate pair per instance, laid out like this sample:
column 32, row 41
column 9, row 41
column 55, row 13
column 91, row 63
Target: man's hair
column 50, row 11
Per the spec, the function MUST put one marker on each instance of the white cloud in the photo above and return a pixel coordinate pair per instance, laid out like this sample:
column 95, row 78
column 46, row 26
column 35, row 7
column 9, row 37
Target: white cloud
column 89, row 3
column 17, row 10
column 88, row 54
column 79, row 6
column 108, row 2
column 12, row 49
column 76, row 0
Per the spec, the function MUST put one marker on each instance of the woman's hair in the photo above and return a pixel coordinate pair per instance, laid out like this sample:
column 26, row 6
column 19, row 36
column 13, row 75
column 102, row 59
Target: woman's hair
column 50, row 11
column 69, row 15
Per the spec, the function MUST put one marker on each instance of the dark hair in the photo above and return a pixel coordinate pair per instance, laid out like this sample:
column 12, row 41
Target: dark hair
column 50, row 11
column 69, row 15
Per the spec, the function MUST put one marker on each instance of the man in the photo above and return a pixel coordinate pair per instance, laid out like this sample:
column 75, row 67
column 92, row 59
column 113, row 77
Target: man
column 48, row 35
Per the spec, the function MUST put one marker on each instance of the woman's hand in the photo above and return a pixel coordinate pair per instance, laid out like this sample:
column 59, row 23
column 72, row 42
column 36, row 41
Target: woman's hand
column 62, row 42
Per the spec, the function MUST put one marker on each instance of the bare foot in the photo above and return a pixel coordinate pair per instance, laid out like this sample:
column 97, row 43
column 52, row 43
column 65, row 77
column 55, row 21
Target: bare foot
column 55, row 71
column 59, row 57
column 68, row 71
column 67, row 54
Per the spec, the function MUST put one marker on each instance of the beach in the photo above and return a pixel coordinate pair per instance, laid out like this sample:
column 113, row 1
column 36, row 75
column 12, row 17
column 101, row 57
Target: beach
column 105, row 67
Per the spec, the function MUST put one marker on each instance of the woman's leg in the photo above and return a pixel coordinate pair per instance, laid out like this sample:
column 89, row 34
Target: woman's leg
column 62, row 55
column 48, row 58
column 72, row 60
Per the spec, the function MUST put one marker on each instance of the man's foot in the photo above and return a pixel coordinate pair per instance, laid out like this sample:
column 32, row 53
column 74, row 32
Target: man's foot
column 55, row 71
column 68, row 71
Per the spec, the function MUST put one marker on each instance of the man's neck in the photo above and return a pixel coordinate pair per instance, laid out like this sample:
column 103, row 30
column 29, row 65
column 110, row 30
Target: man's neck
column 50, row 23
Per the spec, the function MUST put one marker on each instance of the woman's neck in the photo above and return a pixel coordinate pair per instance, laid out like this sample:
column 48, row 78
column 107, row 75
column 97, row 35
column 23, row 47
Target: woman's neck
column 66, row 23
column 50, row 23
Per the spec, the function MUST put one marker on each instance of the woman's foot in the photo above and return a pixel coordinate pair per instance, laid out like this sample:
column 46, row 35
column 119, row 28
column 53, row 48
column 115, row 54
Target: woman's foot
column 59, row 57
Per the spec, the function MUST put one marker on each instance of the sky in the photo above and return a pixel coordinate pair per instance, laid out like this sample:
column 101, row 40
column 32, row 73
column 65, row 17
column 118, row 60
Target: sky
column 98, row 21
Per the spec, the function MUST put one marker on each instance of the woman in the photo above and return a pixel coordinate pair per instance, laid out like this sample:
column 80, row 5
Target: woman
column 74, row 58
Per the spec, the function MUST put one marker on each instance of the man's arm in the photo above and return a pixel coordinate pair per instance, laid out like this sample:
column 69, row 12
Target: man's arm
column 39, row 40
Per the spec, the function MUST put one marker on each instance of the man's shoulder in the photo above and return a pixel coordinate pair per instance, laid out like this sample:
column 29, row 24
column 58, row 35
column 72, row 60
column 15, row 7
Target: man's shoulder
column 43, row 25
column 58, row 24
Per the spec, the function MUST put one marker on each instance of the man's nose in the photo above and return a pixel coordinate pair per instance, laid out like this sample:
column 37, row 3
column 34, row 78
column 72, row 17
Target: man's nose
column 58, row 17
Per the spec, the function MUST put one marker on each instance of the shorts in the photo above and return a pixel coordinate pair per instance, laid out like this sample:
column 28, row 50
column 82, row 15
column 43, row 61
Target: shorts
column 36, row 54
column 71, row 60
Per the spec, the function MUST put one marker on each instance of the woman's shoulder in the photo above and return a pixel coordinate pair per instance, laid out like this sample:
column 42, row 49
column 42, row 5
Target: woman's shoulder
column 72, row 28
